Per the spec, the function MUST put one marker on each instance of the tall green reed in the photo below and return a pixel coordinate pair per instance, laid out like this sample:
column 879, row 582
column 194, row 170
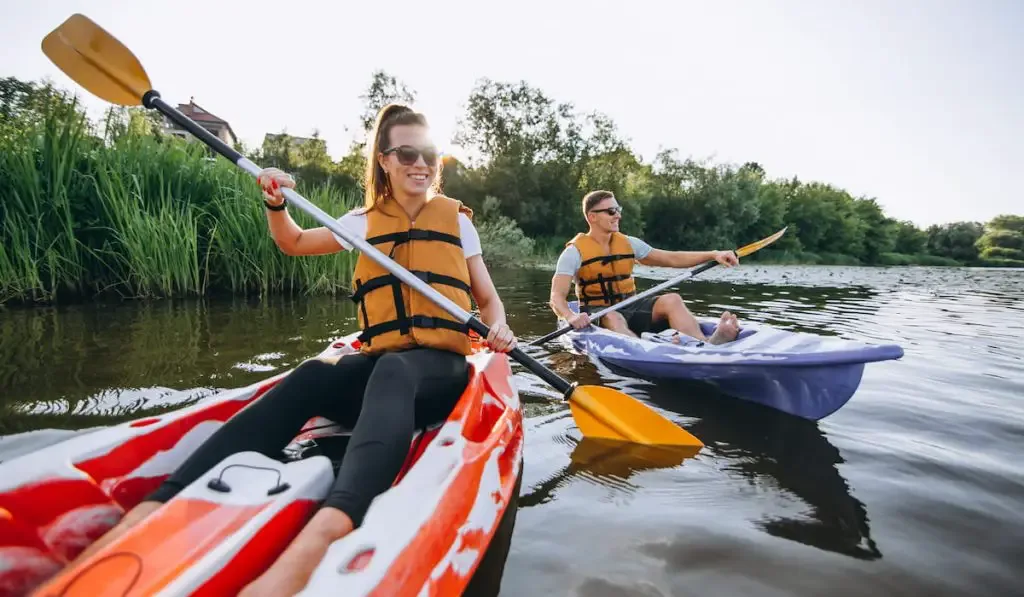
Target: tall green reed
column 151, row 250
column 244, row 258
column 39, row 186
column 141, row 215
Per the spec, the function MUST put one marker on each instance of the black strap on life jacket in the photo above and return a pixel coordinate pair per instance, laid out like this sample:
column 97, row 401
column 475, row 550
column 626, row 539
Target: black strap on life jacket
column 390, row 280
column 600, row 279
column 403, row 323
column 400, row 238
column 416, row 321
column 606, row 296
column 606, row 259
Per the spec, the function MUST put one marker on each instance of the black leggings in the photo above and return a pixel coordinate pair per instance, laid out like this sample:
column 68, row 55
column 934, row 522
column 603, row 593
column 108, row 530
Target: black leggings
column 383, row 399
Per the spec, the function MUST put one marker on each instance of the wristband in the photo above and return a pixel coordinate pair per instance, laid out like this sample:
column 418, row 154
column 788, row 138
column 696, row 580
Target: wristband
column 281, row 207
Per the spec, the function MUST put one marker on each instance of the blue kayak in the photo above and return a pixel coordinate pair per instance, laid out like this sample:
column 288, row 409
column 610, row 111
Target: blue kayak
column 802, row 374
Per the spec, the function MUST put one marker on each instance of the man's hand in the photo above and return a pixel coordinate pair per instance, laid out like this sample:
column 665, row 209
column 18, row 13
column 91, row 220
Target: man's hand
column 726, row 258
column 580, row 321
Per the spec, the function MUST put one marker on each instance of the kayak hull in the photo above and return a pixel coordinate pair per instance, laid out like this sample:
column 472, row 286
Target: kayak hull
column 805, row 375
column 807, row 392
column 424, row 536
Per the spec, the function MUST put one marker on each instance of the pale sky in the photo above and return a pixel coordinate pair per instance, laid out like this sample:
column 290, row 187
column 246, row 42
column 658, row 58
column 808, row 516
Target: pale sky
column 918, row 103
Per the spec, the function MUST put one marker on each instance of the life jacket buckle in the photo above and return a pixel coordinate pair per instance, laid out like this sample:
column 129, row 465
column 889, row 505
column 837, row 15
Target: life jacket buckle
column 423, row 321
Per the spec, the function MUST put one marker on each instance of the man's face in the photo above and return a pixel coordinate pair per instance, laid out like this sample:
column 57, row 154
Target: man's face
column 605, row 215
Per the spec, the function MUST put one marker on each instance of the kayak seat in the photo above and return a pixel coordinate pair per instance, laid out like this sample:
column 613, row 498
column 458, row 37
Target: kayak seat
column 321, row 436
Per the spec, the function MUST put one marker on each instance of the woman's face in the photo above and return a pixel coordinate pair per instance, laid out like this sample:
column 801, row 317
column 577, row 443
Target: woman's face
column 410, row 159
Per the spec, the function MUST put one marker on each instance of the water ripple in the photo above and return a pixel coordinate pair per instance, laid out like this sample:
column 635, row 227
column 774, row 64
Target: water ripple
column 913, row 488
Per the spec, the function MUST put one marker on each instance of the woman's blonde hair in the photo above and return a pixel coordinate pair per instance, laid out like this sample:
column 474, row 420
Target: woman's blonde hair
column 376, row 182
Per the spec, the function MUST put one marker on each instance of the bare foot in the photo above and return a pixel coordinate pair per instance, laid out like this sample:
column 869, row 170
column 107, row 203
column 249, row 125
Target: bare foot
column 292, row 570
column 726, row 330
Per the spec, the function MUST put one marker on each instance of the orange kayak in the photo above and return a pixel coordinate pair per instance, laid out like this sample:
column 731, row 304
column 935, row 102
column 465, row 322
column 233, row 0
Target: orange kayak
column 451, row 508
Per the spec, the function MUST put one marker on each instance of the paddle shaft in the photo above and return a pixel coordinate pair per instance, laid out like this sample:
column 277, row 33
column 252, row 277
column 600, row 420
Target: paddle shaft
column 152, row 100
column 595, row 316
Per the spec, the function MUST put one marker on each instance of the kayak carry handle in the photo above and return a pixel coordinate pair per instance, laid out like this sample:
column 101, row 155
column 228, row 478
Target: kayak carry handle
column 221, row 486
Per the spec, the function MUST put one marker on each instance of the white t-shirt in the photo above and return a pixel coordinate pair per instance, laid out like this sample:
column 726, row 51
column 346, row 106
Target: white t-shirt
column 356, row 223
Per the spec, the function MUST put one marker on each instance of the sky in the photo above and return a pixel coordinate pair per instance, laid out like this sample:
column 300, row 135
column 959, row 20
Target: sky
column 917, row 103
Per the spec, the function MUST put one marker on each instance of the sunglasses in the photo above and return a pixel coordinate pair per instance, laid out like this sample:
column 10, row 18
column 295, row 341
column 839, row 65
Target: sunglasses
column 408, row 155
column 608, row 210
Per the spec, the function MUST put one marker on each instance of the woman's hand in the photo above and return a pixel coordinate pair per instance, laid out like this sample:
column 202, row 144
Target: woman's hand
column 272, row 180
column 501, row 338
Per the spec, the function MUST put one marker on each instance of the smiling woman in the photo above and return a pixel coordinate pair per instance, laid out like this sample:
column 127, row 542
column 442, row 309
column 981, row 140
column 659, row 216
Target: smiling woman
column 411, row 367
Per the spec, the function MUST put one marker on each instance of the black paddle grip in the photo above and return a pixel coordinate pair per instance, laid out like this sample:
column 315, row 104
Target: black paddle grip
column 153, row 101
column 551, row 335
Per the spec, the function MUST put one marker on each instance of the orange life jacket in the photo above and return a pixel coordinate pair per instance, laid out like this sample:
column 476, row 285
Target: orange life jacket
column 393, row 316
column 604, row 278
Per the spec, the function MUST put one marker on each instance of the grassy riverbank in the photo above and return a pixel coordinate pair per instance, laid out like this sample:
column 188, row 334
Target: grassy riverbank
column 140, row 216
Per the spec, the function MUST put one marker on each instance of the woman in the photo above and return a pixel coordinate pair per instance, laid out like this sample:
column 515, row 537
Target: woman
column 411, row 369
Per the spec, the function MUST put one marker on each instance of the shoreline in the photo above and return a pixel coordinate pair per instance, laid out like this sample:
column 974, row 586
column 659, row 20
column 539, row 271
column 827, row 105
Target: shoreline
column 340, row 290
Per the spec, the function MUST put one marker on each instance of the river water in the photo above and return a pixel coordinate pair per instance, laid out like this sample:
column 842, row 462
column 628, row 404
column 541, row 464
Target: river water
column 915, row 487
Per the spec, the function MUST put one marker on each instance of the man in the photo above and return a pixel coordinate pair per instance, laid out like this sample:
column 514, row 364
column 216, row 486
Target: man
column 600, row 263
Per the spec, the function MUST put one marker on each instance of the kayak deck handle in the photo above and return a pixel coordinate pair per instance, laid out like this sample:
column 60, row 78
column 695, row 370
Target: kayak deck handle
column 221, row 486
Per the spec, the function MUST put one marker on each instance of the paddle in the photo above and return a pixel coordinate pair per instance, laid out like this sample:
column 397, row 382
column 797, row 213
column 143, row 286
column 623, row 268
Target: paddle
column 106, row 68
column 741, row 252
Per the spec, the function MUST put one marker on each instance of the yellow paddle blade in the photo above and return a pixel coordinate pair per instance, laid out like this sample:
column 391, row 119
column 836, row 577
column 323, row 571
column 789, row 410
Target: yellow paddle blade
column 764, row 242
column 606, row 413
column 97, row 61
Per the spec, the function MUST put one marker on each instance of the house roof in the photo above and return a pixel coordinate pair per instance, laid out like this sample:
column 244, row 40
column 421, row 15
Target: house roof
column 200, row 114
column 197, row 112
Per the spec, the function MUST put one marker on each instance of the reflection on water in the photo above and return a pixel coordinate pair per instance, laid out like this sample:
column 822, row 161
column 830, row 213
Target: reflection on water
column 608, row 463
column 791, row 454
column 922, row 465
column 97, row 364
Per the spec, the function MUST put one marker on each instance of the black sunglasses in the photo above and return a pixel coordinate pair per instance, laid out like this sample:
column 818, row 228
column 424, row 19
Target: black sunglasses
column 408, row 155
column 608, row 210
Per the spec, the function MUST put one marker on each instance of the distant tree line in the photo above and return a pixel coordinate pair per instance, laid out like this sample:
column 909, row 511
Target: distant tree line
column 534, row 159
column 118, row 205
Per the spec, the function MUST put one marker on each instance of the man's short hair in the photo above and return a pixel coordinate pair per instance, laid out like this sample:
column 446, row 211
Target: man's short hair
column 593, row 198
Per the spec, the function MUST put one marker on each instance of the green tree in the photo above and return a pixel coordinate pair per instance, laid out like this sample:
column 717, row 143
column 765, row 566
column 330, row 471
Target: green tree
column 384, row 89
column 1007, row 222
column 955, row 240
column 773, row 205
column 909, row 239
column 1003, row 239
column 879, row 231
column 516, row 121
column 539, row 156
